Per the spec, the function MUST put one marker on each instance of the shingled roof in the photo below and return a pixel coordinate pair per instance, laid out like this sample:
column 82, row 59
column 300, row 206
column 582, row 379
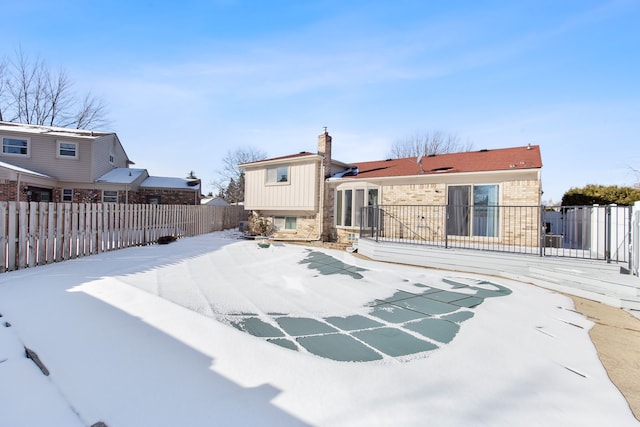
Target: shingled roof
column 527, row 157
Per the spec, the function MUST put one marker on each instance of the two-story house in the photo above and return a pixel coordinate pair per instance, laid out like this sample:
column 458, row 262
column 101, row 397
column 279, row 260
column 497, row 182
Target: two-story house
column 311, row 196
column 50, row 164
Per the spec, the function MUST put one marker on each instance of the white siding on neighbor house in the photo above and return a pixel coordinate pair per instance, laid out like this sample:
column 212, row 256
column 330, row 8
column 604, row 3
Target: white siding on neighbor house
column 102, row 148
column 299, row 194
column 43, row 156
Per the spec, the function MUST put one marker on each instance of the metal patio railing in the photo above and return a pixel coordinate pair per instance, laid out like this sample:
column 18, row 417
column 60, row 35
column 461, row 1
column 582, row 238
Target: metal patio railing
column 592, row 232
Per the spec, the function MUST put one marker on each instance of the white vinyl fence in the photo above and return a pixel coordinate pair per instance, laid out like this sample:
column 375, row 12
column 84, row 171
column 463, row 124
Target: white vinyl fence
column 635, row 239
column 33, row 233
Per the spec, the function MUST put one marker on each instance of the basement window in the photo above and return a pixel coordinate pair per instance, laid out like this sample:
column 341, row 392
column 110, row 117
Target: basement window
column 285, row 222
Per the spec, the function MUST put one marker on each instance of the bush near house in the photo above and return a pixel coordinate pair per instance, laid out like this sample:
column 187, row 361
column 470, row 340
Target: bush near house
column 260, row 225
column 601, row 195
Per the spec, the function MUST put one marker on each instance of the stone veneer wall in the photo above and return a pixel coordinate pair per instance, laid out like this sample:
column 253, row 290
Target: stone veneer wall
column 306, row 229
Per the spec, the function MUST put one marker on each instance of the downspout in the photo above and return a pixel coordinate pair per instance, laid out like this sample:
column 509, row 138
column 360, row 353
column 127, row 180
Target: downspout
column 18, row 188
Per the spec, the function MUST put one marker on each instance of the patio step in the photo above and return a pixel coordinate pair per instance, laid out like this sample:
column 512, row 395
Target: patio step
column 591, row 279
column 595, row 293
column 598, row 281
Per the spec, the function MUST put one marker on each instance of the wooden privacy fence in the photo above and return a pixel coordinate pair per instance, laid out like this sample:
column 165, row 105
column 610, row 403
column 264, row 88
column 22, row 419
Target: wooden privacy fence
column 33, row 233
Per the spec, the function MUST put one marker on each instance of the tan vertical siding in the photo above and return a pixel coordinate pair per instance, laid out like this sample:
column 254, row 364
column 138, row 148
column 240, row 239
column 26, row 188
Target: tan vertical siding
column 300, row 193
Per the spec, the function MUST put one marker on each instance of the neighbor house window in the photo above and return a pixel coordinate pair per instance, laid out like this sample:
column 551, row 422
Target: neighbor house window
column 67, row 195
column 109, row 196
column 153, row 200
column 279, row 174
column 16, row 146
column 67, row 150
column 285, row 222
column 112, row 159
column 349, row 204
column 472, row 210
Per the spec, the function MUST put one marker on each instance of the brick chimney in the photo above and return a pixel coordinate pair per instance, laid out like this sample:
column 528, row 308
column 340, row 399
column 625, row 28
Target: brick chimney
column 324, row 149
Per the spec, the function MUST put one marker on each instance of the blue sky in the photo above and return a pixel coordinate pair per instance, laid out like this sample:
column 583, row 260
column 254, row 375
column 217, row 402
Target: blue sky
column 187, row 82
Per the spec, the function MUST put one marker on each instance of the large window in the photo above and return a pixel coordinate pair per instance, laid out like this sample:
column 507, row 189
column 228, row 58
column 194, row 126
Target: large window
column 349, row 204
column 472, row 210
column 279, row 174
column 285, row 222
column 15, row 146
column 67, row 150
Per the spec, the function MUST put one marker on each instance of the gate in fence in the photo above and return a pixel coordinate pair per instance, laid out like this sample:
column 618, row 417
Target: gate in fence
column 592, row 232
column 33, row 233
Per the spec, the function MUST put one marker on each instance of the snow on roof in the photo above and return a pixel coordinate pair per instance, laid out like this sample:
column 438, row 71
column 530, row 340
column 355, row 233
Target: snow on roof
column 168, row 182
column 214, row 201
column 23, row 170
column 122, row 175
column 299, row 155
column 28, row 128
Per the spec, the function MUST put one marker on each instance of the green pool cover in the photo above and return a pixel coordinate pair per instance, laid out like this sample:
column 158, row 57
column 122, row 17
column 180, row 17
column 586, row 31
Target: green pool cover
column 402, row 325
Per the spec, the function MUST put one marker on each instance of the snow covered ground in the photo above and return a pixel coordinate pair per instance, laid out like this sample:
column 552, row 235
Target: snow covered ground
column 144, row 337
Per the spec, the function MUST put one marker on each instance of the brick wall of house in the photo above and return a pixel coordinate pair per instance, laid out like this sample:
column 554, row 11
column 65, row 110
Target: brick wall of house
column 516, row 224
column 82, row 195
column 306, row 228
column 521, row 193
column 167, row 197
column 8, row 191
column 414, row 194
column 329, row 232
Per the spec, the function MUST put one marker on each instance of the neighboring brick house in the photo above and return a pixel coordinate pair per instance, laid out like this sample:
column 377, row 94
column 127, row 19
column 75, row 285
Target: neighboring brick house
column 50, row 164
column 310, row 196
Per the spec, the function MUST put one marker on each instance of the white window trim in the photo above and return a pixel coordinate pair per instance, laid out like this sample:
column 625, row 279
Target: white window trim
column 2, row 153
column 472, row 205
column 61, row 156
column 110, row 191
column 283, row 220
column 266, row 175
column 62, row 195
column 352, row 186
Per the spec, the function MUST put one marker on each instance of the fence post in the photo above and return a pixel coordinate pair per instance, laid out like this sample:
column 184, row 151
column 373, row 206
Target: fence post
column 543, row 231
column 607, row 233
column 446, row 227
column 634, row 258
column 3, row 236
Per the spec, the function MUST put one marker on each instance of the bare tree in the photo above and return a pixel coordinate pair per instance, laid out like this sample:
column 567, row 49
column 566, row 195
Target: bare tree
column 92, row 113
column 636, row 173
column 230, row 181
column 3, row 88
column 424, row 144
column 31, row 93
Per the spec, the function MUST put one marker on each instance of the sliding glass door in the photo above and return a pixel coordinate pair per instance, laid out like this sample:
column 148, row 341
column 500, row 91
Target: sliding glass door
column 458, row 210
column 472, row 205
